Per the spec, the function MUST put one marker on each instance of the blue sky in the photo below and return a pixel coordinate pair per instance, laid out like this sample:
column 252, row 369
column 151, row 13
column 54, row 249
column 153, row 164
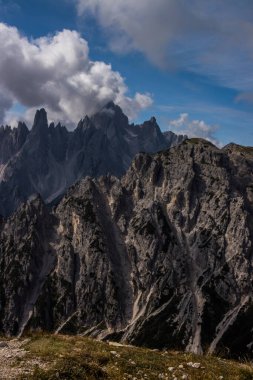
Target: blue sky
column 194, row 61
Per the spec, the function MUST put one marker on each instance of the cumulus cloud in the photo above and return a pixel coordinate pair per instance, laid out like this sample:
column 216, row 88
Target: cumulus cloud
column 194, row 128
column 211, row 38
column 56, row 72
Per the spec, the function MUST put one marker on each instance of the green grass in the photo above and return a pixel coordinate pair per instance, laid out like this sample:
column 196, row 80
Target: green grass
column 72, row 358
column 198, row 140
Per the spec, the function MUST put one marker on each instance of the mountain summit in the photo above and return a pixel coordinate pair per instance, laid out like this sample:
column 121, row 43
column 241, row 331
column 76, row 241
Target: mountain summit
column 40, row 120
column 49, row 159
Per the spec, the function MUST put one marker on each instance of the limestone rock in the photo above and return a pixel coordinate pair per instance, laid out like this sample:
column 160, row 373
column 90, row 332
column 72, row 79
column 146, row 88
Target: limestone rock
column 49, row 159
column 162, row 257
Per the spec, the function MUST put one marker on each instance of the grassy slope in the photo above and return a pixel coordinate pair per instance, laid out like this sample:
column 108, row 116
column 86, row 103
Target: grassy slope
column 82, row 358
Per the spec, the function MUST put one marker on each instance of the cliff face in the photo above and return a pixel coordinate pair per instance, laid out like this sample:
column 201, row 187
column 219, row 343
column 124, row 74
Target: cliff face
column 162, row 257
column 173, row 139
column 48, row 159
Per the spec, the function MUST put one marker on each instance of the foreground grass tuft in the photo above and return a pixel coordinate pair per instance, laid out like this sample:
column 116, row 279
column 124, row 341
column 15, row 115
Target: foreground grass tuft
column 72, row 368
column 72, row 358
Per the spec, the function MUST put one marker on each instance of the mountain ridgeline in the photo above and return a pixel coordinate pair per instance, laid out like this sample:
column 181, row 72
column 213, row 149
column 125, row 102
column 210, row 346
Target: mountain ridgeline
column 161, row 257
column 49, row 159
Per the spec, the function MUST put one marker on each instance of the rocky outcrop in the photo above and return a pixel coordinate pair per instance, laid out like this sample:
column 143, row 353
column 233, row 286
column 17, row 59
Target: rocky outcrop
column 162, row 257
column 174, row 139
column 49, row 159
column 11, row 141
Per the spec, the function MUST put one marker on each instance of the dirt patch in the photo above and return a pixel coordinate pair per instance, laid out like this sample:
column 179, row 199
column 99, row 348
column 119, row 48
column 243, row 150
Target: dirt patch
column 14, row 361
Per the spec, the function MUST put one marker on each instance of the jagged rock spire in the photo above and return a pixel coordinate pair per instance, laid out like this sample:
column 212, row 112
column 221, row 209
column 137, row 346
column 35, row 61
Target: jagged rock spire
column 40, row 120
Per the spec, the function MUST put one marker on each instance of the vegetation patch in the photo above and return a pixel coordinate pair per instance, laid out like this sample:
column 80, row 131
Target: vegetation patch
column 74, row 357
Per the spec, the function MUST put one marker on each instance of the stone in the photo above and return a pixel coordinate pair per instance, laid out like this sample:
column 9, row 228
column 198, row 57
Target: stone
column 160, row 257
column 49, row 159
column 196, row 365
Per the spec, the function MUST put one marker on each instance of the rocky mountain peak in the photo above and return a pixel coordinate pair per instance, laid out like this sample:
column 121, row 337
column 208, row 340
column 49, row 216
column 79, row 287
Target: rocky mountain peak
column 151, row 126
column 239, row 149
column 11, row 141
column 40, row 120
column 84, row 123
column 173, row 139
column 22, row 126
column 153, row 120
column 53, row 158
column 110, row 118
column 113, row 111
column 111, row 105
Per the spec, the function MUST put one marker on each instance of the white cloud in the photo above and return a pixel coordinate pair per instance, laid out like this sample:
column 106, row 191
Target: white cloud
column 194, row 128
column 211, row 38
column 57, row 73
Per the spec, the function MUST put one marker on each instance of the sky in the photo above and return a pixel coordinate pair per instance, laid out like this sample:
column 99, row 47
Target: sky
column 188, row 63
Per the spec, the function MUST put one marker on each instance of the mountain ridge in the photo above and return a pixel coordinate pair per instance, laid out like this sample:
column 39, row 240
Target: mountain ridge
column 48, row 158
column 161, row 257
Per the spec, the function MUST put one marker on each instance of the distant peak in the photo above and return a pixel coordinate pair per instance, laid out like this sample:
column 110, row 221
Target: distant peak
column 84, row 123
column 151, row 123
column 40, row 120
column 22, row 126
column 110, row 105
column 236, row 148
column 41, row 114
column 110, row 116
column 231, row 145
column 112, row 108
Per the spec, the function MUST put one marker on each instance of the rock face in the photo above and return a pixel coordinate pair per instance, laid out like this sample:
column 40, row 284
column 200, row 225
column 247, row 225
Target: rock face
column 49, row 159
column 162, row 257
column 173, row 139
column 11, row 141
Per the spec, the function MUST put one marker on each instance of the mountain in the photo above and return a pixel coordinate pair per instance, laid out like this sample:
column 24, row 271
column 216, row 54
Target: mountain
column 173, row 139
column 49, row 159
column 161, row 257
